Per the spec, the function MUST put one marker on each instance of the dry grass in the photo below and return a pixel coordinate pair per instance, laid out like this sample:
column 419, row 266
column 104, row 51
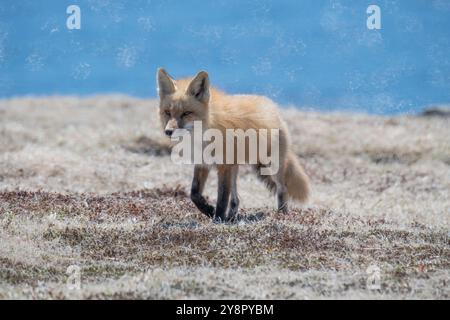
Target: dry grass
column 89, row 182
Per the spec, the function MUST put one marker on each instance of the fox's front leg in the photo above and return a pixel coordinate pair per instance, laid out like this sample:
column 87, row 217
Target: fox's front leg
column 225, row 173
column 198, row 184
column 234, row 199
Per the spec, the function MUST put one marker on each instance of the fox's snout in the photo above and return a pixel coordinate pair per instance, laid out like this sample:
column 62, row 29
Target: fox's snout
column 171, row 126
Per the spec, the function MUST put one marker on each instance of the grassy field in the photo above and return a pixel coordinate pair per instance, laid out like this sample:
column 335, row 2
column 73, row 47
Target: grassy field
column 89, row 183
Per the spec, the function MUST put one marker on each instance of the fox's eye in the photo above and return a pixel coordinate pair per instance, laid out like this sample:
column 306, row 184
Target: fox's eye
column 167, row 113
column 186, row 113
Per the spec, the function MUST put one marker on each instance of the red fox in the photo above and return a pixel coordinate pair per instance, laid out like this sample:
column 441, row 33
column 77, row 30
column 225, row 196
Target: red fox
column 193, row 99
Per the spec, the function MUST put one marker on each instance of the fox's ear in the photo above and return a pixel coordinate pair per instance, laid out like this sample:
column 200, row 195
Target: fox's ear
column 199, row 87
column 166, row 85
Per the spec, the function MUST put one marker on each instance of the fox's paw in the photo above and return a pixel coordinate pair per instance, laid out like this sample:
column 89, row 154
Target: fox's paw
column 284, row 209
column 218, row 219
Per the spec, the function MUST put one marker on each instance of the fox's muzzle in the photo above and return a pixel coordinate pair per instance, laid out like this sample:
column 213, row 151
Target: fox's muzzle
column 171, row 126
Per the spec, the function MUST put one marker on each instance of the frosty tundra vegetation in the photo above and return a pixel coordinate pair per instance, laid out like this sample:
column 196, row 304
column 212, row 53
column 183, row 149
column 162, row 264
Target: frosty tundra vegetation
column 117, row 207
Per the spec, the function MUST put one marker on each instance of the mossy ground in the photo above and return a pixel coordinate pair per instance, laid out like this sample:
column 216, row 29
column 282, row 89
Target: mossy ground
column 89, row 183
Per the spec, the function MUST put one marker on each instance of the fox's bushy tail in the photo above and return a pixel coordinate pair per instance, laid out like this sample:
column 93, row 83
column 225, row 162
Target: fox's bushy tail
column 297, row 182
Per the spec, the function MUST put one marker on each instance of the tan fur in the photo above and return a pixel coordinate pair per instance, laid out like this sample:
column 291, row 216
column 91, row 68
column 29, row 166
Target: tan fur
column 297, row 181
column 221, row 111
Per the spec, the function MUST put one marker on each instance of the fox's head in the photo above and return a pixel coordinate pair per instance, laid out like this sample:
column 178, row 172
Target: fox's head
column 182, row 102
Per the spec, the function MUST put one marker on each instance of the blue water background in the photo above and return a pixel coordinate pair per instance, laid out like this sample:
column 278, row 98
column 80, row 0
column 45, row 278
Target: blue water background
column 313, row 53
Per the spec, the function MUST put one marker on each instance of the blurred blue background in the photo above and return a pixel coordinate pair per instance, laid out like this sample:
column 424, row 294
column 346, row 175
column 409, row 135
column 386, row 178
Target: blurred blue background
column 313, row 53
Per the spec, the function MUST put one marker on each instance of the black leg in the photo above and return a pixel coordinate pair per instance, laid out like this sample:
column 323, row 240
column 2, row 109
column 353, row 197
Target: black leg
column 282, row 202
column 223, row 196
column 282, row 194
column 198, row 183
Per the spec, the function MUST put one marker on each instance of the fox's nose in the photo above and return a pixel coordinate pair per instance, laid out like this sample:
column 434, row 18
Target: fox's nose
column 168, row 132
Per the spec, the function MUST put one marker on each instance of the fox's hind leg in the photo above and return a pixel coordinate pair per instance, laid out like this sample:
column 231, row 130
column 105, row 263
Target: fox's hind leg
column 277, row 185
column 282, row 196
column 198, row 184
column 281, row 188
